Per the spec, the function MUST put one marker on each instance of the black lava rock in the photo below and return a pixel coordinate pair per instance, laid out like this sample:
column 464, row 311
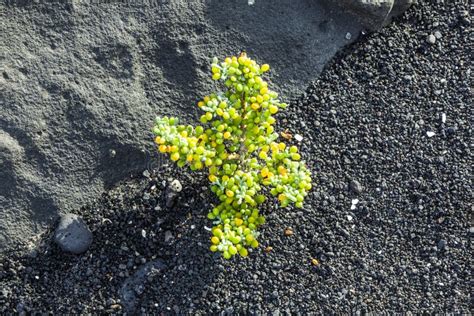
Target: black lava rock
column 72, row 234
column 356, row 187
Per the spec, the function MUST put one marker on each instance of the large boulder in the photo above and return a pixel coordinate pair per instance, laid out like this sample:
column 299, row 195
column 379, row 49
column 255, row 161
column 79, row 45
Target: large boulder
column 374, row 14
column 81, row 84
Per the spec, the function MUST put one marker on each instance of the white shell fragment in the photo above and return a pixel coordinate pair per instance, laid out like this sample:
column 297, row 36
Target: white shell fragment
column 443, row 118
column 430, row 134
column 251, row 2
column 298, row 137
column 354, row 203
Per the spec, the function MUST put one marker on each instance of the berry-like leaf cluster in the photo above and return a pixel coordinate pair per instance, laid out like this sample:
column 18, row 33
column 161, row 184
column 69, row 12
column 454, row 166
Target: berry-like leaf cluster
column 238, row 144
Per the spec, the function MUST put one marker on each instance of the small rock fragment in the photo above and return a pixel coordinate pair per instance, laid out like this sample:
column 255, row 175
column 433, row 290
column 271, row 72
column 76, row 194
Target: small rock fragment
column 354, row 203
column 168, row 236
column 431, row 39
column 116, row 306
column 438, row 35
column 72, row 234
column 450, row 130
column 298, row 137
column 172, row 192
column 355, row 186
column 268, row 249
column 314, row 262
column 441, row 244
column 288, row 232
column 176, row 186
column 430, row 134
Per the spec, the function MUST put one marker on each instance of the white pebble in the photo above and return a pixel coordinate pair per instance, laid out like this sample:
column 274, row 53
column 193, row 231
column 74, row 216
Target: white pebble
column 207, row 228
column 176, row 186
column 430, row 134
column 349, row 218
column 298, row 137
column 443, row 118
column 354, row 203
column 431, row 39
column 143, row 233
column 251, row 2
column 348, row 36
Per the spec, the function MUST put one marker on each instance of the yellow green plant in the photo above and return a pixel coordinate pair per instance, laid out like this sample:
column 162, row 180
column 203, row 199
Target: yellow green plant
column 238, row 145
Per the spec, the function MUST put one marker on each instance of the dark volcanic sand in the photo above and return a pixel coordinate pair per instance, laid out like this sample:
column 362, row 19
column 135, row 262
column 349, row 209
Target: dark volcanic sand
column 405, row 246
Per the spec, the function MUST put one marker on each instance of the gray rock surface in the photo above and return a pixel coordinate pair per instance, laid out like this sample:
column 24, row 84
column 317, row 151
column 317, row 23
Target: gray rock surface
column 82, row 83
column 72, row 234
column 375, row 13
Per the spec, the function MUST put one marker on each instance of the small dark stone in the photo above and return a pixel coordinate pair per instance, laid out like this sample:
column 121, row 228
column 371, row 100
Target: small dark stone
column 274, row 295
column 450, row 130
column 355, row 186
column 72, row 234
column 442, row 244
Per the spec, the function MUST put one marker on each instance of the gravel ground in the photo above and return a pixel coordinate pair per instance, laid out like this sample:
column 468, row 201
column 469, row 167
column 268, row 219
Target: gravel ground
column 374, row 131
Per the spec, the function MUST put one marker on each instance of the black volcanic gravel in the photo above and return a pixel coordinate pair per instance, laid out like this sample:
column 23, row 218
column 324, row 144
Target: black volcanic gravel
column 403, row 247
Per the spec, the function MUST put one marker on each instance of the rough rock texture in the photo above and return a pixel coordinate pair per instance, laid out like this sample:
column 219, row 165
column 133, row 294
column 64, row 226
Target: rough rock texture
column 72, row 234
column 375, row 13
column 81, row 84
